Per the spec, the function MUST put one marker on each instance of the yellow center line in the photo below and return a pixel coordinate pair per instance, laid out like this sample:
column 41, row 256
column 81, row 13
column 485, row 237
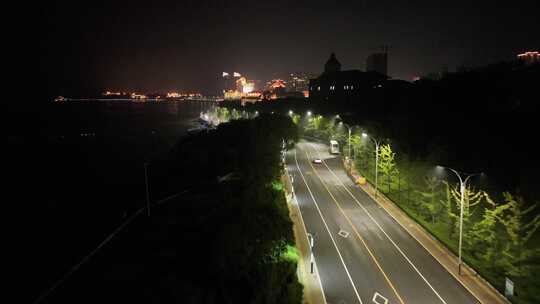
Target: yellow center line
column 355, row 231
column 387, row 236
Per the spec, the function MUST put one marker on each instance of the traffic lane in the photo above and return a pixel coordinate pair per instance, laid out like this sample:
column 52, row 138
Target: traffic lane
column 409, row 285
column 407, row 282
column 440, row 279
column 332, row 229
column 335, row 283
column 365, row 273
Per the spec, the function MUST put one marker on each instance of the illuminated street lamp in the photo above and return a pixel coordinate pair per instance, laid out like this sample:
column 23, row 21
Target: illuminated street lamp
column 291, row 112
column 311, row 240
column 463, row 184
column 349, row 139
column 377, row 144
column 308, row 113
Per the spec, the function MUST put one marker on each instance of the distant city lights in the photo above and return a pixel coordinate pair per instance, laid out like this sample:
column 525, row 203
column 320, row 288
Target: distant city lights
column 108, row 93
column 529, row 57
column 248, row 87
column 138, row 96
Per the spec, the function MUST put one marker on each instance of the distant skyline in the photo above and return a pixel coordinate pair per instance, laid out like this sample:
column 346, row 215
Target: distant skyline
column 157, row 46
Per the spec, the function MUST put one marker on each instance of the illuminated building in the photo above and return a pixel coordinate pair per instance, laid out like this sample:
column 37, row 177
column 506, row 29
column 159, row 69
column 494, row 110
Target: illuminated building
column 276, row 84
column 229, row 82
column 138, row 96
column 334, row 84
column 378, row 62
column 232, row 95
column 276, row 88
column 238, row 87
column 240, row 82
column 232, row 85
column 182, row 96
column 108, row 93
column 298, row 82
column 529, row 57
column 251, row 97
column 173, row 95
column 248, row 87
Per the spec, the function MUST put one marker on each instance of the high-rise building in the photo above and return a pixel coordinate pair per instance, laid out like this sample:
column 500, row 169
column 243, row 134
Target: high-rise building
column 238, row 87
column 298, row 82
column 228, row 82
column 378, row 62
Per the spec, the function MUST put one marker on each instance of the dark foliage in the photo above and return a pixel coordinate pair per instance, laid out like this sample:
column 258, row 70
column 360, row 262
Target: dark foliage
column 480, row 120
column 220, row 242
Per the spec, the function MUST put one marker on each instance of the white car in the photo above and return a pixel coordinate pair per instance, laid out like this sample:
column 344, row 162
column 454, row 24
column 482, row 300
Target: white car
column 317, row 161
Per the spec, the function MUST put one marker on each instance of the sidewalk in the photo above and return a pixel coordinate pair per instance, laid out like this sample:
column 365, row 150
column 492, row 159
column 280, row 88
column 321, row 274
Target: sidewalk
column 313, row 293
column 474, row 283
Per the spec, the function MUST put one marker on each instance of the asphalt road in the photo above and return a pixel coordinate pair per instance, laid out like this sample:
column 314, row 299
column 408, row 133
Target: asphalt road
column 361, row 253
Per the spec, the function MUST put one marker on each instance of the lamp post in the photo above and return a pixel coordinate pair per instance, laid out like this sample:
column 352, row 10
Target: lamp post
column 349, row 138
column 377, row 144
column 349, row 144
column 462, row 185
column 311, row 239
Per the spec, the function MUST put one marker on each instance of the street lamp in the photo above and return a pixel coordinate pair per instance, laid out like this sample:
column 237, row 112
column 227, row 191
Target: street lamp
column 349, row 138
column 308, row 113
column 377, row 144
column 311, row 239
column 463, row 184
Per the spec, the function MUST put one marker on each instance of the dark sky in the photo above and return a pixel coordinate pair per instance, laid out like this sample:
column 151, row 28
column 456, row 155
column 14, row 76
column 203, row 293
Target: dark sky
column 185, row 45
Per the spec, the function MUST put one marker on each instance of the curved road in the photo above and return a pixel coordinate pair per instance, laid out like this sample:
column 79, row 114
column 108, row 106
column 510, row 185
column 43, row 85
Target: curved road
column 361, row 253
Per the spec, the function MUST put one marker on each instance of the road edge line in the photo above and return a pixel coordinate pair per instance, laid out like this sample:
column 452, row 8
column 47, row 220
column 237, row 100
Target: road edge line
column 387, row 236
column 436, row 242
column 327, row 229
column 292, row 203
column 359, row 237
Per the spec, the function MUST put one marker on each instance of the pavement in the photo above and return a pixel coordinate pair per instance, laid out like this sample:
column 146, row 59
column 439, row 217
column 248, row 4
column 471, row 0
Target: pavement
column 365, row 251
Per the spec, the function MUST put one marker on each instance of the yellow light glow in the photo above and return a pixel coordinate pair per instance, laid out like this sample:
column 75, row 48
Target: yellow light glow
column 248, row 87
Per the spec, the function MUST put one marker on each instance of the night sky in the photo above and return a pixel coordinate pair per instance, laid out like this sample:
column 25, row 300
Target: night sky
column 185, row 45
